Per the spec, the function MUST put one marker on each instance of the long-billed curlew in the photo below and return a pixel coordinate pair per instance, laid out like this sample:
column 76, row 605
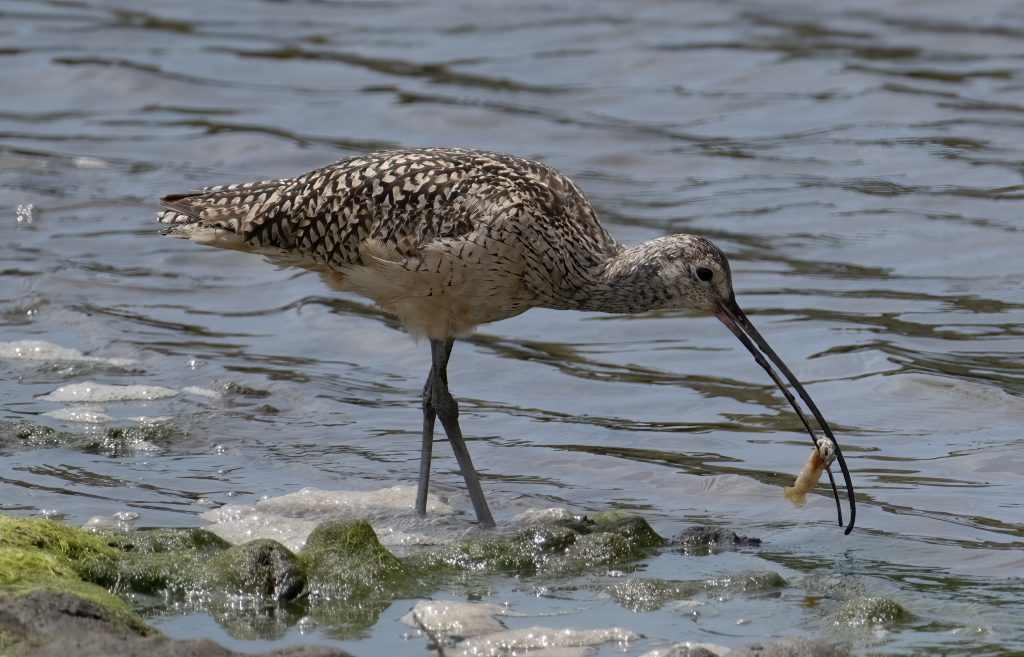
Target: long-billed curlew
column 449, row 238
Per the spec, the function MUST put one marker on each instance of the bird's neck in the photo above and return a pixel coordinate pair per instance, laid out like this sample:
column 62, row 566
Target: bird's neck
column 627, row 282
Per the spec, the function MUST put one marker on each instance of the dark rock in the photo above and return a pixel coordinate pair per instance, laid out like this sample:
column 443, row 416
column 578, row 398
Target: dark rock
column 702, row 540
column 47, row 624
column 262, row 567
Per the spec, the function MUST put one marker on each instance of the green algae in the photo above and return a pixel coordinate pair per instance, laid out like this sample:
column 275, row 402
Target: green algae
column 88, row 554
column 346, row 560
column 343, row 577
column 25, row 569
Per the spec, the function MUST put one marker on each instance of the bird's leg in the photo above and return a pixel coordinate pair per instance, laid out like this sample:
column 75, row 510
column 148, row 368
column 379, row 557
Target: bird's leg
column 446, row 409
column 427, row 446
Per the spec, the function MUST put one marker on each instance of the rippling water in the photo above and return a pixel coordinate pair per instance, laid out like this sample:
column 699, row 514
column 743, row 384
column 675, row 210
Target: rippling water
column 860, row 162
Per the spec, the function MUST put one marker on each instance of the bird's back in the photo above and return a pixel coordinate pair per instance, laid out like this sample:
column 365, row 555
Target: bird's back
column 472, row 224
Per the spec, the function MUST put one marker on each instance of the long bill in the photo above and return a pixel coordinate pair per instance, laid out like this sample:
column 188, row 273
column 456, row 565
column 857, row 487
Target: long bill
column 730, row 314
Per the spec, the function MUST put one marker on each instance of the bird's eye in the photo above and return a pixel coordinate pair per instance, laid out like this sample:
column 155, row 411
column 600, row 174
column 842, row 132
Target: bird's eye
column 704, row 274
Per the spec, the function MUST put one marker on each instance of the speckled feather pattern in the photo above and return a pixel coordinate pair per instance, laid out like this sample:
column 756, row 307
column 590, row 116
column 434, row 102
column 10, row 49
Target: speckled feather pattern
column 445, row 238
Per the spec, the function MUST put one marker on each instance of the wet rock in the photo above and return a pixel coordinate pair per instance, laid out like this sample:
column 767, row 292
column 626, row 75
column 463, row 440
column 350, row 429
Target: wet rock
column 112, row 441
column 87, row 554
column 791, row 647
column 642, row 595
column 870, row 613
column 685, row 650
column 634, row 529
column 747, row 581
column 262, row 567
column 703, row 540
column 346, row 560
column 553, row 548
column 43, row 623
column 162, row 541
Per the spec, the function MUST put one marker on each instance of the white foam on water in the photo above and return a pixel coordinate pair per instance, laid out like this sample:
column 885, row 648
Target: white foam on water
column 682, row 648
column 541, row 642
column 290, row 518
column 90, row 391
column 202, row 392
column 120, row 521
column 40, row 350
column 86, row 414
column 463, row 619
column 536, row 516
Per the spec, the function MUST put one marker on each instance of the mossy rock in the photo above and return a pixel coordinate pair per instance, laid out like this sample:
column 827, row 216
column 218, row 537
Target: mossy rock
column 24, row 570
column 747, row 581
column 159, row 541
column 553, row 548
column 88, row 554
column 642, row 595
column 262, row 567
column 634, row 529
column 871, row 612
column 344, row 559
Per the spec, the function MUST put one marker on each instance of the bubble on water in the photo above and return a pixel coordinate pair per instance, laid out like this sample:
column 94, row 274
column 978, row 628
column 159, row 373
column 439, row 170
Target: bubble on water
column 202, row 392
column 41, row 350
column 121, row 521
column 290, row 518
column 90, row 391
column 89, row 163
column 87, row 414
column 24, row 213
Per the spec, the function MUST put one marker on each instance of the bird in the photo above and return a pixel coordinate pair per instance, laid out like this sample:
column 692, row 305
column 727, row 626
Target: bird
column 447, row 239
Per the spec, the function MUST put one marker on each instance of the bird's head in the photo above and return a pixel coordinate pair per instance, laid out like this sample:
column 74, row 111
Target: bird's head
column 695, row 274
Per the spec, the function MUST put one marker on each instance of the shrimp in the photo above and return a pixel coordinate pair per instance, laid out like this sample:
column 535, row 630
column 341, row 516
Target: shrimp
column 820, row 458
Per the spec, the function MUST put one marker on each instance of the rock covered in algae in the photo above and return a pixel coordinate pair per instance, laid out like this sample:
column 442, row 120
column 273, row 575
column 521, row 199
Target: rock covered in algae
column 556, row 548
column 262, row 567
column 345, row 559
column 641, row 595
column 870, row 612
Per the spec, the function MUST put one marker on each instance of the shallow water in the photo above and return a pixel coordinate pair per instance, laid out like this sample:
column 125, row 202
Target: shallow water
column 861, row 165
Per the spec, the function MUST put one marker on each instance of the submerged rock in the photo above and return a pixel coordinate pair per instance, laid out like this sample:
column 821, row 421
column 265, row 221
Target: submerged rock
column 703, row 540
column 790, row 647
column 553, row 548
column 43, row 623
column 641, row 595
column 870, row 613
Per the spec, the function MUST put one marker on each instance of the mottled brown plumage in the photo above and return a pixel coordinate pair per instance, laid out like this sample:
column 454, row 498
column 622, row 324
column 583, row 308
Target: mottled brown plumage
column 449, row 238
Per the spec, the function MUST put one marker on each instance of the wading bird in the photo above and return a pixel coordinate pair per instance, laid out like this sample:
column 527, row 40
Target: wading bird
column 449, row 238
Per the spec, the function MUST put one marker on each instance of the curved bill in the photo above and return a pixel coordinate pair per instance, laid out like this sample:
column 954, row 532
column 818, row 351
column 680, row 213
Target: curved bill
column 730, row 314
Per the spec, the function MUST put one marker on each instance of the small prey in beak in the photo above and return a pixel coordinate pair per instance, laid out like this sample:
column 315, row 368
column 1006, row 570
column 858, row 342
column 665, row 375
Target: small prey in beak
column 730, row 314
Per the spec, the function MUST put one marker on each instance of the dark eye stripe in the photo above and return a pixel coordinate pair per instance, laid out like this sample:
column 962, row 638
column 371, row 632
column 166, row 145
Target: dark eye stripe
column 705, row 274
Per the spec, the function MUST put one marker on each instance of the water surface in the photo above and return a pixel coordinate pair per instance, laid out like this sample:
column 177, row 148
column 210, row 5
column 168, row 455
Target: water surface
column 860, row 163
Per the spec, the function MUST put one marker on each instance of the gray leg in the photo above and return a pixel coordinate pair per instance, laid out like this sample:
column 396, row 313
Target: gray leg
column 427, row 446
column 439, row 403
